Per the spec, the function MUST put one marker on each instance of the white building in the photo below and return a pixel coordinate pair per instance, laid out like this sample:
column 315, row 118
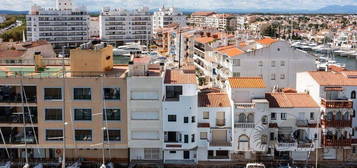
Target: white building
column 94, row 27
column 215, row 126
column 180, row 116
column 2, row 19
column 166, row 16
column 223, row 22
column 62, row 26
column 121, row 26
column 145, row 87
column 271, row 59
column 335, row 92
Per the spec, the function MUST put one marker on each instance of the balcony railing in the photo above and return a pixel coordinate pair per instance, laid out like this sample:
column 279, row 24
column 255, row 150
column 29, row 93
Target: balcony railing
column 337, row 123
column 244, row 125
column 220, row 122
column 336, row 103
column 336, row 142
column 219, row 143
column 244, row 105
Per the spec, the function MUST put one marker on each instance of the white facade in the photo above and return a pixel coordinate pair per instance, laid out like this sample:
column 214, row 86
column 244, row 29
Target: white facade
column 94, row 27
column 2, row 19
column 63, row 26
column 277, row 63
column 180, row 124
column 165, row 16
column 120, row 25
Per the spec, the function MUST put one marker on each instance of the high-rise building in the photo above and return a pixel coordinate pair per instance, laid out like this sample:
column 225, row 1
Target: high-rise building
column 166, row 16
column 120, row 26
column 62, row 26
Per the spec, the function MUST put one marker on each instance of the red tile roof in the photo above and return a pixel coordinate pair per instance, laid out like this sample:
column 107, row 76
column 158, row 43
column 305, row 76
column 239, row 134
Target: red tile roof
column 230, row 51
column 142, row 60
column 204, row 40
column 177, row 76
column 267, row 41
column 246, row 82
column 202, row 13
column 290, row 100
column 344, row 78
column 213, row 99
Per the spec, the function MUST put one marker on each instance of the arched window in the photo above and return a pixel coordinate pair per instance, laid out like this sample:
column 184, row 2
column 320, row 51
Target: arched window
column 346, row 116
column 242, row 118
column 265, row 119
column 353, row 95
column 339, row 115
column 329, row 115
column 243, row 143
column 264, row 139
column 250, row 118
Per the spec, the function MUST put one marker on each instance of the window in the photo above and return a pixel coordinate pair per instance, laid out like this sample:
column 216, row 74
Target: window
column 111, row 93
column 312, row 116
column 353, row 95
column 83, row 135
column 53, row 114
column 260, row 63
column 82, row 114
column 265, row 119
column 282, row 63
column 273, row 76
column 193, row 138
column 114, row 135
column 173, row 92
column 236, row 74
column 185, row 139
column 282, row 76
column 54, row 134
column 185, row 119
column 53, row 93
column 273, row 63
column 283, row 116
column 172, row 151
column 111, row 114
column 171, row 118
column 236, row 62
column 203, row 135
column 205, row 115
column 193, row 119
column 272, row 138
column 273, row 116
column 82, row 94
column 353, row 149
column 264, row 139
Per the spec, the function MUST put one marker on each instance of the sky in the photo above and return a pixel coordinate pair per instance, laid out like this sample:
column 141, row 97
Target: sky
column 95, row 5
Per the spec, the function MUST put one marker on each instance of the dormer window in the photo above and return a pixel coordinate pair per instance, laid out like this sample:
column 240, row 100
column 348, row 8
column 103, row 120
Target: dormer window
column 353, row 94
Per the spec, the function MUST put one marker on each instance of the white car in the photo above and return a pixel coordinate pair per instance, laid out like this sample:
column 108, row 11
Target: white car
column 255, row 165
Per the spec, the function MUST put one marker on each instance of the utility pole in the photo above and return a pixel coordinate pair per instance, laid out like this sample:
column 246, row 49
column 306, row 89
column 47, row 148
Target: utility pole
column 180, row 48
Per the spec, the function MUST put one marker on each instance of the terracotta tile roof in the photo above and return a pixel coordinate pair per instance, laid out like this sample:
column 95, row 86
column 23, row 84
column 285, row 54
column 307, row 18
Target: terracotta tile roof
column 290, row 100
column 230, row 51
column 288, row 90
column 11, row 53
column 267, row 41
column 344, row 78
column 246, row 82
column 213, row 99
column 335, row 68
column 202, row 13
column 223, row 15
column 142, row 60
column 204, row 40
column 189, row 68
column 177, row 76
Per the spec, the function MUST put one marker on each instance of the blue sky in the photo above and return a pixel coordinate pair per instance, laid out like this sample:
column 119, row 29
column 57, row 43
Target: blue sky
column 196, row 4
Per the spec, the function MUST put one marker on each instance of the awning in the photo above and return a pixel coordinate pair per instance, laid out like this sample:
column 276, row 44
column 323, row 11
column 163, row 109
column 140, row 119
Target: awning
column 333, row 89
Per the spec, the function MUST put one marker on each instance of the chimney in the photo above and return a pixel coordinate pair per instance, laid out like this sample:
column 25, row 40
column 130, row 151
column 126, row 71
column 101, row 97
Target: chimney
column 39, row 66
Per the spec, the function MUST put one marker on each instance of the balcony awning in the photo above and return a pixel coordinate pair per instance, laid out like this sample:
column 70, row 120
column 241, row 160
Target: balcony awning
column 333, row 89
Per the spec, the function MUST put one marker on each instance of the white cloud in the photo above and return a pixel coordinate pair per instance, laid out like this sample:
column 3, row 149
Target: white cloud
column 193, row 4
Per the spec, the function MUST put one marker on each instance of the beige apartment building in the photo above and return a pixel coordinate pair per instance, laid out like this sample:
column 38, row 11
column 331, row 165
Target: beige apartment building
column 86, row 102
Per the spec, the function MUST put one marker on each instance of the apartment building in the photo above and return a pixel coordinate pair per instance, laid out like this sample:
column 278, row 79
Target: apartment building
column 180, row 116
column 199, row 18
column 166, row 16
column 215, row 126
column 145, row 117
column 335, row 92
column 78, row 110
column 119, row 26
column 273, row 60
column 62, row 26
column 2, row 19
column 222, row 22
column 94, row 27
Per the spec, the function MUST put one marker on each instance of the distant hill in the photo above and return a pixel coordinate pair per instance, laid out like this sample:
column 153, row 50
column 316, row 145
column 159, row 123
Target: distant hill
column 332, row 9
column 10, row 12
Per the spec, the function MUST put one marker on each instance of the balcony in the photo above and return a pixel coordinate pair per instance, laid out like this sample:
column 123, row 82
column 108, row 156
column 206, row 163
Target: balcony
column 336, row 142
column 220, row 122
column 219, row 143
column 337, row 123
column 244, row 105
column 244, row 125
column 15, row 135
column 336, row 103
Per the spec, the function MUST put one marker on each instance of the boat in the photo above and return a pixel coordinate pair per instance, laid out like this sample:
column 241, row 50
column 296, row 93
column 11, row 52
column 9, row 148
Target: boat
column 75, row 165
column 129, row 49
column 7, row 165
column 254, row 165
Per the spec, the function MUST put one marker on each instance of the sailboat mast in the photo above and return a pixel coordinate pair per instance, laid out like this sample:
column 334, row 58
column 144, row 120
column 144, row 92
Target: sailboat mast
column 24, row 118
column 64, row 112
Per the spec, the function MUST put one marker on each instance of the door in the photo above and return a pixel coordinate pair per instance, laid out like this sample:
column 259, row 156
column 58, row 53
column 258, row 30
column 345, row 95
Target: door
column 186, row 154
column 220, row 119
column 219, row 136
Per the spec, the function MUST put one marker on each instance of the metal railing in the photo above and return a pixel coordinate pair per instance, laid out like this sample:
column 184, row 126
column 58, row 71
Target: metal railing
column 244, row 105
column 244, row 125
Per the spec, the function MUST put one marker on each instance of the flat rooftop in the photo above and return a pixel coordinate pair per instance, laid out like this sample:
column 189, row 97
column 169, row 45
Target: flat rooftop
column 119, row 71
